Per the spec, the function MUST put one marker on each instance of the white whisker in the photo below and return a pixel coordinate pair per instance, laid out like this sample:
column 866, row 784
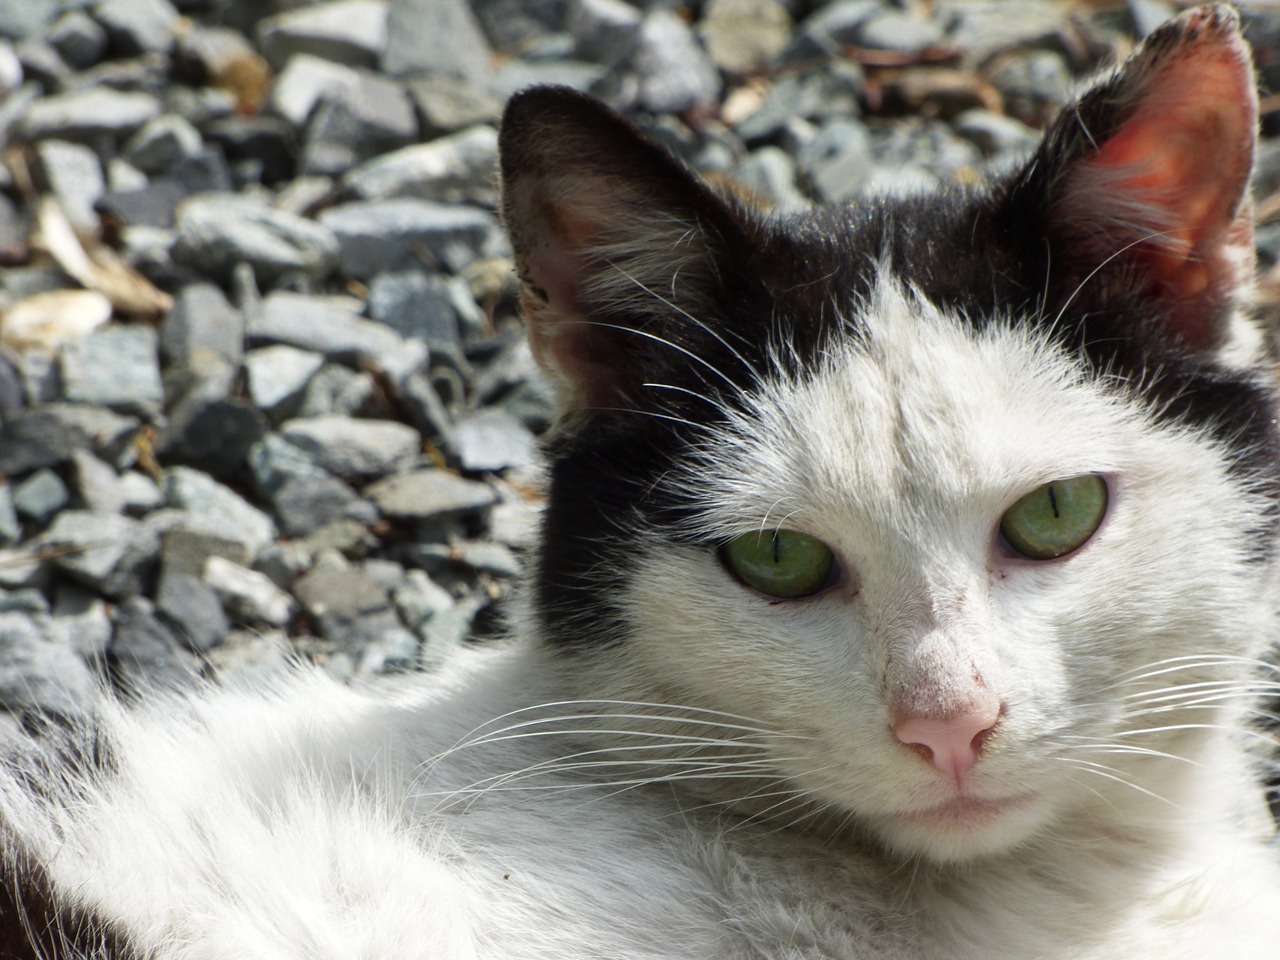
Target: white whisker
column 1110, row 773
column 706, row 328
column 1102, row 745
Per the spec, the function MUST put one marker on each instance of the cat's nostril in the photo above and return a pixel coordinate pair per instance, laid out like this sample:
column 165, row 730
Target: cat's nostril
column 952, row 744
column 921, row 748
column 982, row 736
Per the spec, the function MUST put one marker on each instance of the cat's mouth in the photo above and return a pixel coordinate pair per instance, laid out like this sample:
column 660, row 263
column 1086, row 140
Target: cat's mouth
column 965, row 813
column 970, row 818
column 965, row 827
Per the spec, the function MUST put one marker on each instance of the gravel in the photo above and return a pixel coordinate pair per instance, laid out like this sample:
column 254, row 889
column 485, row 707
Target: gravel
column 116, row 367
column 322, row 443
column 88, row 116
column 217, row 232
column 145, row 653
column 347, row 32
column 400, row 233
column 47, row 434
column 351, row 447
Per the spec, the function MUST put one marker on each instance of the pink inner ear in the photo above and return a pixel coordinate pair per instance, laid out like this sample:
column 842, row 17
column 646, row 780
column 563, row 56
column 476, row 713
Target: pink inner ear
column 556, row 236
column 581, row 355
column 1177, row 171
column 1190, row 163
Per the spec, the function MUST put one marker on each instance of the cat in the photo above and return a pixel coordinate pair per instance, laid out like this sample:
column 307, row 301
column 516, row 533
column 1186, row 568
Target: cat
column 903, row 592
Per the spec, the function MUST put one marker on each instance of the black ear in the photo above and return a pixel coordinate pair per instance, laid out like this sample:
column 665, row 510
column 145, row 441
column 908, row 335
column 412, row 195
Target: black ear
column 1146, row 178
column 623, row 254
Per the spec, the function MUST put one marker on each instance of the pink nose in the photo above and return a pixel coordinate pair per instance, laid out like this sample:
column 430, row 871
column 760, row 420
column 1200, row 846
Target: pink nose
column 952, row 744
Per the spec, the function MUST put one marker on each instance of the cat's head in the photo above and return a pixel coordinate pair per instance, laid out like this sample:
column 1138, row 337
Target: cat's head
column 935, row 494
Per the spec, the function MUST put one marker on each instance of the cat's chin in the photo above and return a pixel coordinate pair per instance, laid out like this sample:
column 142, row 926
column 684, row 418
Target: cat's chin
column 965, row 828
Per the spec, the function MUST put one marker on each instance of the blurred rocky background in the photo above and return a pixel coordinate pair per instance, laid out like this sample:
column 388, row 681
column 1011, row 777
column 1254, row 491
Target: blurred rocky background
column 263, row 388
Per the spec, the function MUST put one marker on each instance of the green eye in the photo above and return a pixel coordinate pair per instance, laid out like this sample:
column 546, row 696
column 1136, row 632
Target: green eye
column 1056, row 518
column 780, row 563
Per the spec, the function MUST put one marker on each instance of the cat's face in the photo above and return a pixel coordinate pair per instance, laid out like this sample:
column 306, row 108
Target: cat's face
column 929, row 608
column 919, row 509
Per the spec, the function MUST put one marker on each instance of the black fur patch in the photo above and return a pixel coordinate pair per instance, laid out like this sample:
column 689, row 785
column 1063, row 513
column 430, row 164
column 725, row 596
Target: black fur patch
column 35, row 924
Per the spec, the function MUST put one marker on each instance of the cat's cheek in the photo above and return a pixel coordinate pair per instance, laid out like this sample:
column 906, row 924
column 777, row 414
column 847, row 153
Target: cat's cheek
column 727, row 646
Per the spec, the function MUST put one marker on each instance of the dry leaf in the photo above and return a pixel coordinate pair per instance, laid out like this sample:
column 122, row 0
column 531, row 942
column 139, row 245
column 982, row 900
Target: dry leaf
column 99, row 268
column 48, row 320
column 937, row 92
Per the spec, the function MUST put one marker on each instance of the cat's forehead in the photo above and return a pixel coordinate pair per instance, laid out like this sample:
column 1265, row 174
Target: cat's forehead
column 914, row 403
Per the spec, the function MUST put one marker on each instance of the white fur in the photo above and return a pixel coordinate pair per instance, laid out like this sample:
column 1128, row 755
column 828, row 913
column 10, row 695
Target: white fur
column 725, row 784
